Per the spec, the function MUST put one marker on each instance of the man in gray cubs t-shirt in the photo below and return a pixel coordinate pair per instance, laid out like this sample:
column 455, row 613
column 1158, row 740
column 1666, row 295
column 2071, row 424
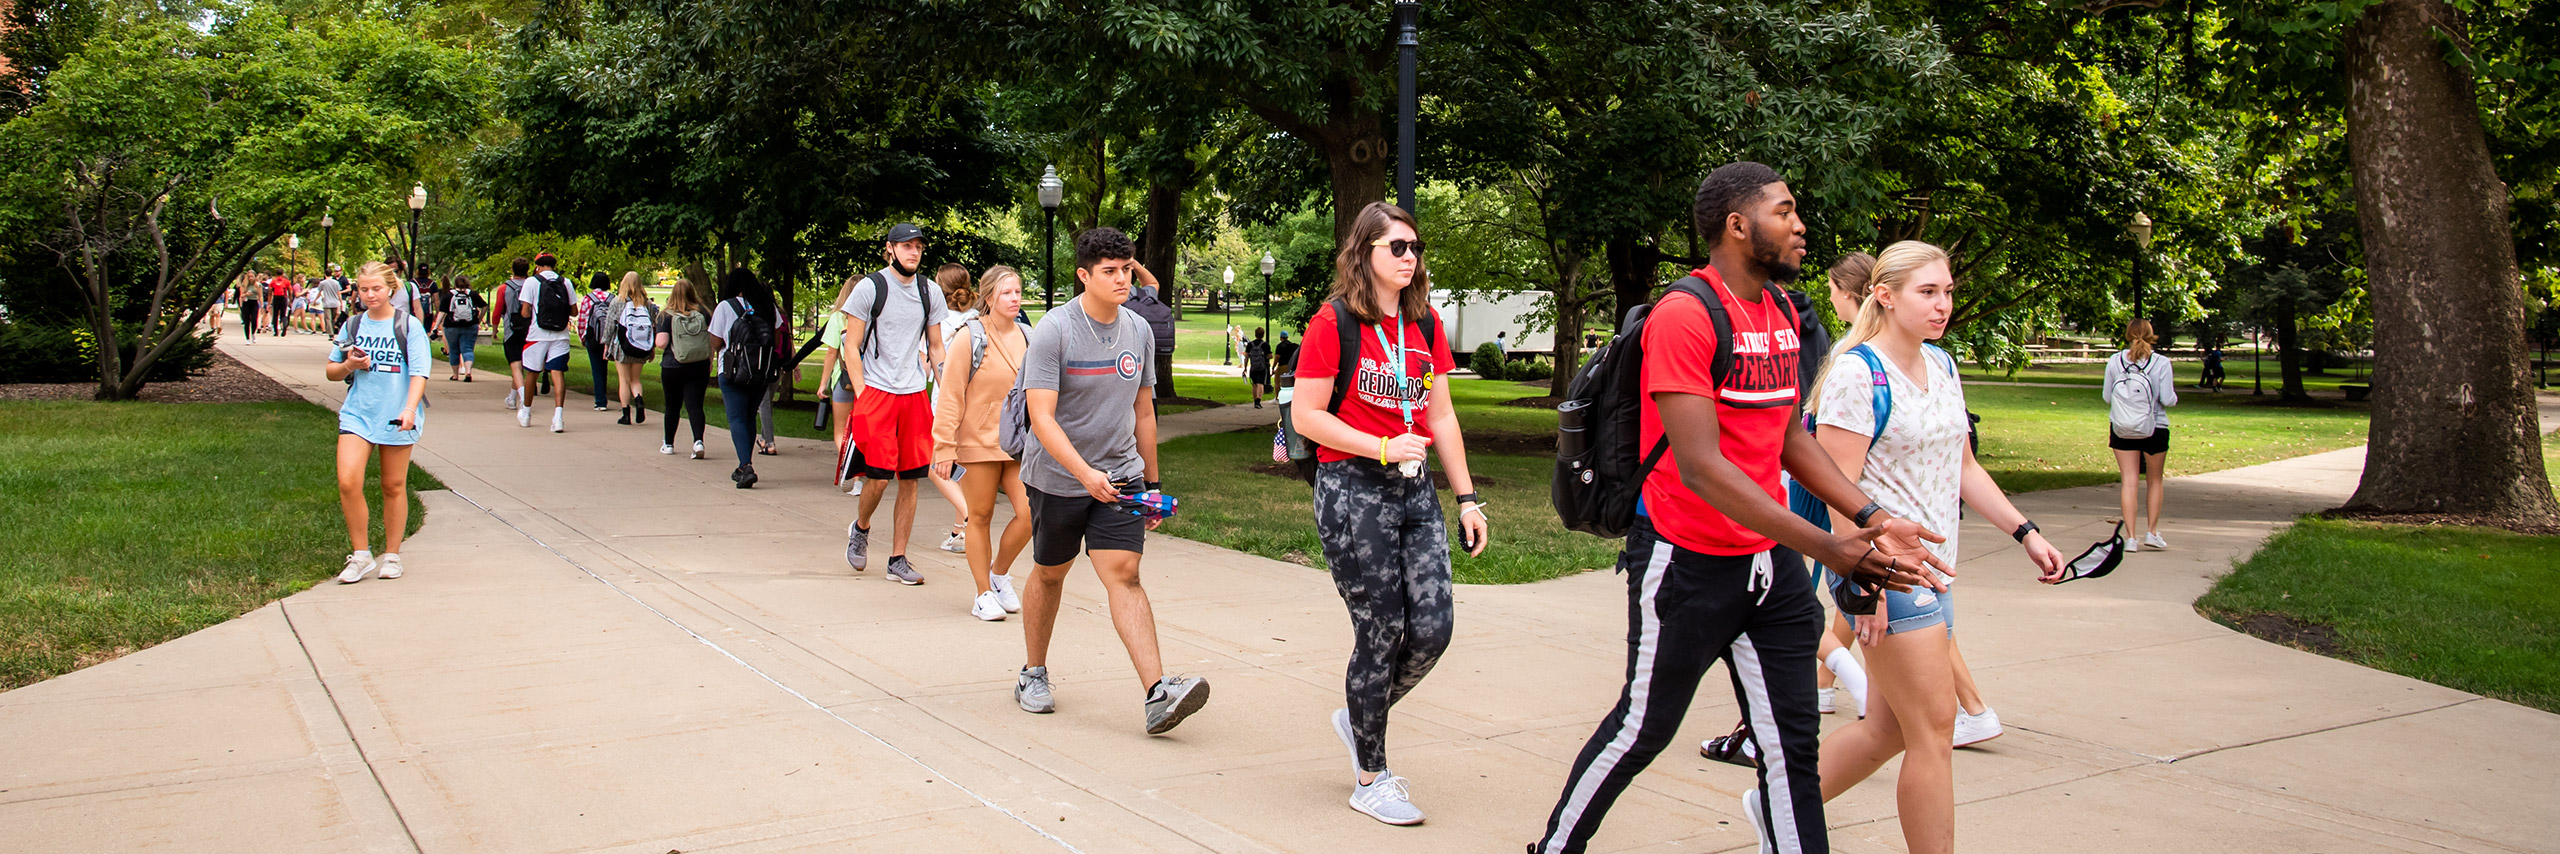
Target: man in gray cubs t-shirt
column 1097, row 369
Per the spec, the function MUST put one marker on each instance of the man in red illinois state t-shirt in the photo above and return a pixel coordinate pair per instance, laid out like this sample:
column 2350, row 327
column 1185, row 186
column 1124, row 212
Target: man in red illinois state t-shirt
column 1715, row 562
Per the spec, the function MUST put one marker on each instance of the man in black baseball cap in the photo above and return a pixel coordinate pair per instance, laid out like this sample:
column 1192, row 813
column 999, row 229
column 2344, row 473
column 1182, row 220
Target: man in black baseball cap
column 887, row 346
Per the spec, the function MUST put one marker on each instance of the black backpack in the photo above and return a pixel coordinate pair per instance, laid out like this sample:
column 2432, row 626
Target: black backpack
column 550, row 301
column 748, row 359
column 880, row 303
column 1598, row 475
column 1347, row 327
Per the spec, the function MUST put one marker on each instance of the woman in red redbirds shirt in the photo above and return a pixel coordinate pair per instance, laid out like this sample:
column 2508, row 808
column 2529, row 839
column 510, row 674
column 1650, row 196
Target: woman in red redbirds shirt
column 1384, row 536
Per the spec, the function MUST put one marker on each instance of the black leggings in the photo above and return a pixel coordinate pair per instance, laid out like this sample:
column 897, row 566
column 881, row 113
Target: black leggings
column 683, row 383
column 1388, row 549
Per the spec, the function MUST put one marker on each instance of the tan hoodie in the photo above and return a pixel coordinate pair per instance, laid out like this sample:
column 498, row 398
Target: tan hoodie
column 965, row 408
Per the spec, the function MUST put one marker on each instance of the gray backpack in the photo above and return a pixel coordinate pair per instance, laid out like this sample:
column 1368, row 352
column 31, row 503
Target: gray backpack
column 1013, row 422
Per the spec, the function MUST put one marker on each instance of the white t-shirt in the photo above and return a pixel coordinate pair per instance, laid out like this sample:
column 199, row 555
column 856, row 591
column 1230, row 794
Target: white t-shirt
column 1916, row 470
column 530, row 295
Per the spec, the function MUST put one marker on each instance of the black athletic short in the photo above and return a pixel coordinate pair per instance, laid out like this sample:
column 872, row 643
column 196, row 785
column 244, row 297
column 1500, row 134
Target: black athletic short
column 1062, row 523
column 514, row 344
column 2156, row 443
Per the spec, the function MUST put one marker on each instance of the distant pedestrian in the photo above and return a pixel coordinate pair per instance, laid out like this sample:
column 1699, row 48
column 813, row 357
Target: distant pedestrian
column 547, row 305
column 1084, row 384
column 221, row 307
column 512, row 329
column 683, row 330
column 959, row 298
column 595, row 331
column 985, row 358
column 1285, row 354
column 333, row 296
column 253, row 293
column 1502, row 342
column 1148, row 301
column 742, row 327
column 630, row 338
column 462, row 308
column 280, row 305
column 887, row 313
column 2140, row 387
column 1376, row 512
column 1257, row 366
column 2212, row 378
column 383, row 357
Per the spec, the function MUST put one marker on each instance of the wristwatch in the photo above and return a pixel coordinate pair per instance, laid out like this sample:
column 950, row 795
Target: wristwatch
column 2024, row 528
column 1469, row 498
column 1867, row 512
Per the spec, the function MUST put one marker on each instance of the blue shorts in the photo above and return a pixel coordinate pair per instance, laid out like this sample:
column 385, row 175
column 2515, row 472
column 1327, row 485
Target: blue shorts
column 1918, row 609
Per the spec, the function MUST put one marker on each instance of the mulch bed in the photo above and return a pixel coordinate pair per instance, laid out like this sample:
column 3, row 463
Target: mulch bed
column 2293, row 632
column 1189, row 401
column 228, row 381
column 1548, row 402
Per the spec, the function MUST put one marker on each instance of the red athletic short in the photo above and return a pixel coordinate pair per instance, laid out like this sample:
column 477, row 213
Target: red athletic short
column 893, row 433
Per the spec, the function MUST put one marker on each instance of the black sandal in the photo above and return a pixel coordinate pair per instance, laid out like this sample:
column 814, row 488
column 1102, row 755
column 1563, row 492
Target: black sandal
column 1728, row 748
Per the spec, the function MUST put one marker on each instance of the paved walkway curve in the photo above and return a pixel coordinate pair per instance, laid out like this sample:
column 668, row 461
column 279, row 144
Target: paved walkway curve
column 576, row 663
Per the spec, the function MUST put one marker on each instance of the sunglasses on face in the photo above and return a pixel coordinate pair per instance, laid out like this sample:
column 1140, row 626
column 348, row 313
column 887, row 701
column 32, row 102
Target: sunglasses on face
column 1397, row 247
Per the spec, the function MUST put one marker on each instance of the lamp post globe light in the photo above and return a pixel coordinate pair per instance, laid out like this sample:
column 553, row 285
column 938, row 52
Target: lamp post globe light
column 1227, row 301
column 2140, row 228
column 293, row 253
column 417, row 205
column 1052, row 192
column 1268, row 264
column 326, row 222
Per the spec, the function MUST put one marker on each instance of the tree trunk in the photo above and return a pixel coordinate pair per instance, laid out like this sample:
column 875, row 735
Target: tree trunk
column 2288, row 318
column 2454, row 424
column 1355, row 156
column 1633, row 273
column 782, row 273
column 1164, row 243
column 1571, row 304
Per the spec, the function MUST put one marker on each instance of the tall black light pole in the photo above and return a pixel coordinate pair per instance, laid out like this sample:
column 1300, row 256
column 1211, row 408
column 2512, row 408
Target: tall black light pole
column 1268, row 267
column 1052, row 191
column 1227, row 300
column 326, row 222
column 2140, row 228
column 293, row 253
column 417, row 205
column 1408, row 54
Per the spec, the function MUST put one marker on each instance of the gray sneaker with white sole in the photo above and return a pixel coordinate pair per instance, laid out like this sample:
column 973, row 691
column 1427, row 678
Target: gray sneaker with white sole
column 1173, row 699
column 904, row 572
column 1031, row 691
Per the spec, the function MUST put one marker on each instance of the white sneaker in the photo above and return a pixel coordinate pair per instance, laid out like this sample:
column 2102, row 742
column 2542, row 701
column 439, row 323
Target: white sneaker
column 511, row 398
column 697, row 449
column 388, row 566
column 524, row 416
column 1003, row 585
column 987, row 608
column 1822, row 700
column 2155, row 542
column 359, row 564
column 1386, row 799
column 1976, row 729
column 1342, row 727
column 955, row 544
column 1759, row 829
column 555, row 419
column 668, row 449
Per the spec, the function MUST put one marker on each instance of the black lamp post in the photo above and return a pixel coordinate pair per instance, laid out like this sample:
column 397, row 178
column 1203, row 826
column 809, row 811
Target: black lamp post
column 1268, row 264
column 1408, row 54
column 293, row 253
column 326, row 222
column 1227, row 301
column 2140, row 228
column 417, row 205
column 1052, row 191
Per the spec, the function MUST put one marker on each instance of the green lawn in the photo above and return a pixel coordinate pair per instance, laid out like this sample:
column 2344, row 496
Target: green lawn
column 2048, row 438
column 2472, row 609
column 134, row 523
column 2237, row 375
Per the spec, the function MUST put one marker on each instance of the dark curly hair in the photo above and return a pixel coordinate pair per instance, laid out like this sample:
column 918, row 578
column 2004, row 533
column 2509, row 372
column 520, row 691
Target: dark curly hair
column 1725, row 192
column 1103, row 244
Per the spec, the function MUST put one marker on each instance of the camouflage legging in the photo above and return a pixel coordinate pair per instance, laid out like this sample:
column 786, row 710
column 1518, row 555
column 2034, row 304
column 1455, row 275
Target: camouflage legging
column 1389, row 550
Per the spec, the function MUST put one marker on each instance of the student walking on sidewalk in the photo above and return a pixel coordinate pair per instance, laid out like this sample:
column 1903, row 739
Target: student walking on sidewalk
column 1093, row 426
column 684, row 373
column 967, row 404
column 1380, row 520
column 2139, row 389
column 886, row 315
column 461, row 307
column 384, row 356
column 1918, row 465
column 546, row 305
column 1714, row 560
column 960, row 302
column 742, row 327
column 630, row 337
column 595, row 334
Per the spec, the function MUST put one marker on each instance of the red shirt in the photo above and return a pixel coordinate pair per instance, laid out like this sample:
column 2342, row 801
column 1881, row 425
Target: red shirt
column 1679, row 350
column 1371, row 407
column 280, row 286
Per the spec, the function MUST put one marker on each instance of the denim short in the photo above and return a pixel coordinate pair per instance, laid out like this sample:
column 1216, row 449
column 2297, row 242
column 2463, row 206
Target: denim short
column 1920, row 608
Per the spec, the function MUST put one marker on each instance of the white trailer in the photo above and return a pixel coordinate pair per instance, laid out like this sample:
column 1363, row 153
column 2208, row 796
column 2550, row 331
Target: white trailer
column 1474, row 318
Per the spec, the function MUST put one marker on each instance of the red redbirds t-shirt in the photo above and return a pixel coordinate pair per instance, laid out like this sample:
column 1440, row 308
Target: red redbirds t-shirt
column 280, row 286
column 1679, row 352
column 1371, row 407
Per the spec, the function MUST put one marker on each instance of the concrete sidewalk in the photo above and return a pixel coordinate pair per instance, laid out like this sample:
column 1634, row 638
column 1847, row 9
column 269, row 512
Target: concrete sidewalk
column 601, row 648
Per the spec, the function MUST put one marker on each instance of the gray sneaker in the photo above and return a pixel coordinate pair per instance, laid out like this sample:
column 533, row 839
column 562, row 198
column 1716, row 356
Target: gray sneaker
column 904, row 572
column 1031, row 691
column 856, row 541
column 1174, row 698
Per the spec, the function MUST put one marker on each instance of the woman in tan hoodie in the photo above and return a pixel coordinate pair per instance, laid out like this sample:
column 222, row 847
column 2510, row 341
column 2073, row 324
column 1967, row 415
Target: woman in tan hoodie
column 974, row 381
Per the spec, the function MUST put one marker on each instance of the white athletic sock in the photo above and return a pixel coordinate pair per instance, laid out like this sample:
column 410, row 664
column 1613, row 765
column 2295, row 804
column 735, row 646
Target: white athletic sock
column 363, row 554
column 1851, row 675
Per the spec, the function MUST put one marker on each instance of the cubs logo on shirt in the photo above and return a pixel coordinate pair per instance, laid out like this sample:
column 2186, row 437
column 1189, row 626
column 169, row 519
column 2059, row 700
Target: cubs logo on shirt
column 1128, row 365
column 1125, row 367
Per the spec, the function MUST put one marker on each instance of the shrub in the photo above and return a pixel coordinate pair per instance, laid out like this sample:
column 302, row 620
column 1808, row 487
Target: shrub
column 1487, row 361
column 1529, row 371
column 69, row 354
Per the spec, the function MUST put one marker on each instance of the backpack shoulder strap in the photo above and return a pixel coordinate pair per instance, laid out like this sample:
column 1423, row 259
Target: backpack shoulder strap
column 977, row 346
column 1882, row 398
column 879, row 303
column 1346, row 327
column 1723, row 363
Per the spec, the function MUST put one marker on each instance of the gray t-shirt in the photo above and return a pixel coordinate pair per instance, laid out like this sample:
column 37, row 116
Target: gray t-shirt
column 897, row 335
column 1099, row 371
column 506, row 306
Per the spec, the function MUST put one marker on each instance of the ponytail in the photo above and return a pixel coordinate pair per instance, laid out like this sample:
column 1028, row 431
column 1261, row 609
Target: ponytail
column 2138, row 339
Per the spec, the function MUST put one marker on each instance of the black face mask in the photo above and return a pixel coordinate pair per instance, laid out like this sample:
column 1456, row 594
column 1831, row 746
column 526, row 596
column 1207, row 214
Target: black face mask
column 904, row 271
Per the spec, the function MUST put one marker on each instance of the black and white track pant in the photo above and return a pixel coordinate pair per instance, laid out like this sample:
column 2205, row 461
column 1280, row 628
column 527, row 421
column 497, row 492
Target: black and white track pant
column 1388, row 548
column 1686, row 609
